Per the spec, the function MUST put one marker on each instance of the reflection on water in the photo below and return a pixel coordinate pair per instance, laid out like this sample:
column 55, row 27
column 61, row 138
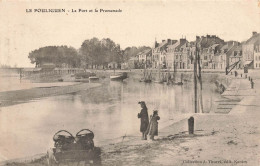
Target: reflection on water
column 110, row 111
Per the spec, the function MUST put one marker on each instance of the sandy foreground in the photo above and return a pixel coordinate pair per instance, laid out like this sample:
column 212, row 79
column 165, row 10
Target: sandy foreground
column 219, row 139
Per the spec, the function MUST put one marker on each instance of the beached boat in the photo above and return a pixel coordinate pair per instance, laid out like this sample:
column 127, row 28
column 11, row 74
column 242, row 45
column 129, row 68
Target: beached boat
column 93, row 79
column 118, row 77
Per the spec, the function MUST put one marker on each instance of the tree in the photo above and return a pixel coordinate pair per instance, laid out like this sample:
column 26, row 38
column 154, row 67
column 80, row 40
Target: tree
column 133, row 51
column 55, row 54
column 100, row 52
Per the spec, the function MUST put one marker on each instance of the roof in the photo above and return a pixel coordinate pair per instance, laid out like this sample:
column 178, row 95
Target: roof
column 165, row 43
column 209, row 41
column 146, row 51
column 174, row 45
column 214, row 45
column 255, row 39
column 224, row 47
column 181, row 44
column 232, row 49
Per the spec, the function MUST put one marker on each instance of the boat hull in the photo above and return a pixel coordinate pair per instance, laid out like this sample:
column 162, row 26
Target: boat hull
column 119, row 77
column 93, row 79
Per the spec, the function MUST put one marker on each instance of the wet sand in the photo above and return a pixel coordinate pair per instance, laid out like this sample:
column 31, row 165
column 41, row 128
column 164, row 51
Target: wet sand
column 20, row 96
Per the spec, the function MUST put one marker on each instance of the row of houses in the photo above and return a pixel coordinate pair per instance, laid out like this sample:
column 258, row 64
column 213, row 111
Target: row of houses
column 214, row 53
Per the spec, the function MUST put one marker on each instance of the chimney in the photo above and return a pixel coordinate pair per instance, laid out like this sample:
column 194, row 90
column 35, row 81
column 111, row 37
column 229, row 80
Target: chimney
column 230, row 43
column 156, row 44
column 254, row 33
column 182, row 41
column 169, row 41
column 163, row 41
column 197, row 38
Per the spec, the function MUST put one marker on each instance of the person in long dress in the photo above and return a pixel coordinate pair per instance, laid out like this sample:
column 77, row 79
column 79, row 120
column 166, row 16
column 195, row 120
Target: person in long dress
column 154, row 125
column 143, row 115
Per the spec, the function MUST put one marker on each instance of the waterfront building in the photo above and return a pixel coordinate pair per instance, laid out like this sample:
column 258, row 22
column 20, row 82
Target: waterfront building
column 209, row 46
column 159, row 53
column 249, row 48
column 170, row 54
column 191, row 55
column 181, row 54
column 257, row 56
column 145, row 58
column 222, row 59
column 132, row 62
column 236, row 56
column 113, row 65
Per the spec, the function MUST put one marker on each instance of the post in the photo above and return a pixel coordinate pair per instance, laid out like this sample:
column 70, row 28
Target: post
column 252, row 85
column 226, row 70
column 191, row 125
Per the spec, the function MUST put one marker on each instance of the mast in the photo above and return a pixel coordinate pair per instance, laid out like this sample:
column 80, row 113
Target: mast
column 200, row 81
column 197, row 77
column 195, row 81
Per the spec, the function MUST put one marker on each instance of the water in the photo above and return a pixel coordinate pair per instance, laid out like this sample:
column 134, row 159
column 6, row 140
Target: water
column 110, row 111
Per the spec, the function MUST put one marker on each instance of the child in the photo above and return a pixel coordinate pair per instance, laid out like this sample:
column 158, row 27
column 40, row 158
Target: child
column 154, row 125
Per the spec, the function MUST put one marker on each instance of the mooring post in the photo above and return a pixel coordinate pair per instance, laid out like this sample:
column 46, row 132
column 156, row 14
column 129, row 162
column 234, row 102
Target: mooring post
column 191, row 125
column 252, row 84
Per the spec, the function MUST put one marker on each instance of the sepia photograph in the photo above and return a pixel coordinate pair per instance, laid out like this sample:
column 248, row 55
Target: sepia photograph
column 130, row 83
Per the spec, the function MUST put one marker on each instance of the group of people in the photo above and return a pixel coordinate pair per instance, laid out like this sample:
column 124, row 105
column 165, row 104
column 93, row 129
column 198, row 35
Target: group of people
column 148, row 127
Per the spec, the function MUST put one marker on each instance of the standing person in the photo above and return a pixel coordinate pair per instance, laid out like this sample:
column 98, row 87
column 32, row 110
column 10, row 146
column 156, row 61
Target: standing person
column 143, row 115
column 154, row 125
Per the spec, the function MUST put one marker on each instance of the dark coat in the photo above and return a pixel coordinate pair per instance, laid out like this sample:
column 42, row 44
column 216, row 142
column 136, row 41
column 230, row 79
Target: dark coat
column 144, row 119
column 154, row 125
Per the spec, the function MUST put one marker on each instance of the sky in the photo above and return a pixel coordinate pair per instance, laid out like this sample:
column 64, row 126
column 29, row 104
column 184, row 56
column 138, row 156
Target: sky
column 139, row 23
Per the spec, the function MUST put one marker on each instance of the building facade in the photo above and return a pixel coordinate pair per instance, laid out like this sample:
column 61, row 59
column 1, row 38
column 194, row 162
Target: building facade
column 144, row 59
column 248, row 49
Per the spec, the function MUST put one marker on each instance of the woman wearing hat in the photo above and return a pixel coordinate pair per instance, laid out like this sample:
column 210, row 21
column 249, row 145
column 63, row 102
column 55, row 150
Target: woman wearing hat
column 143, row 115
column 154, row 125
